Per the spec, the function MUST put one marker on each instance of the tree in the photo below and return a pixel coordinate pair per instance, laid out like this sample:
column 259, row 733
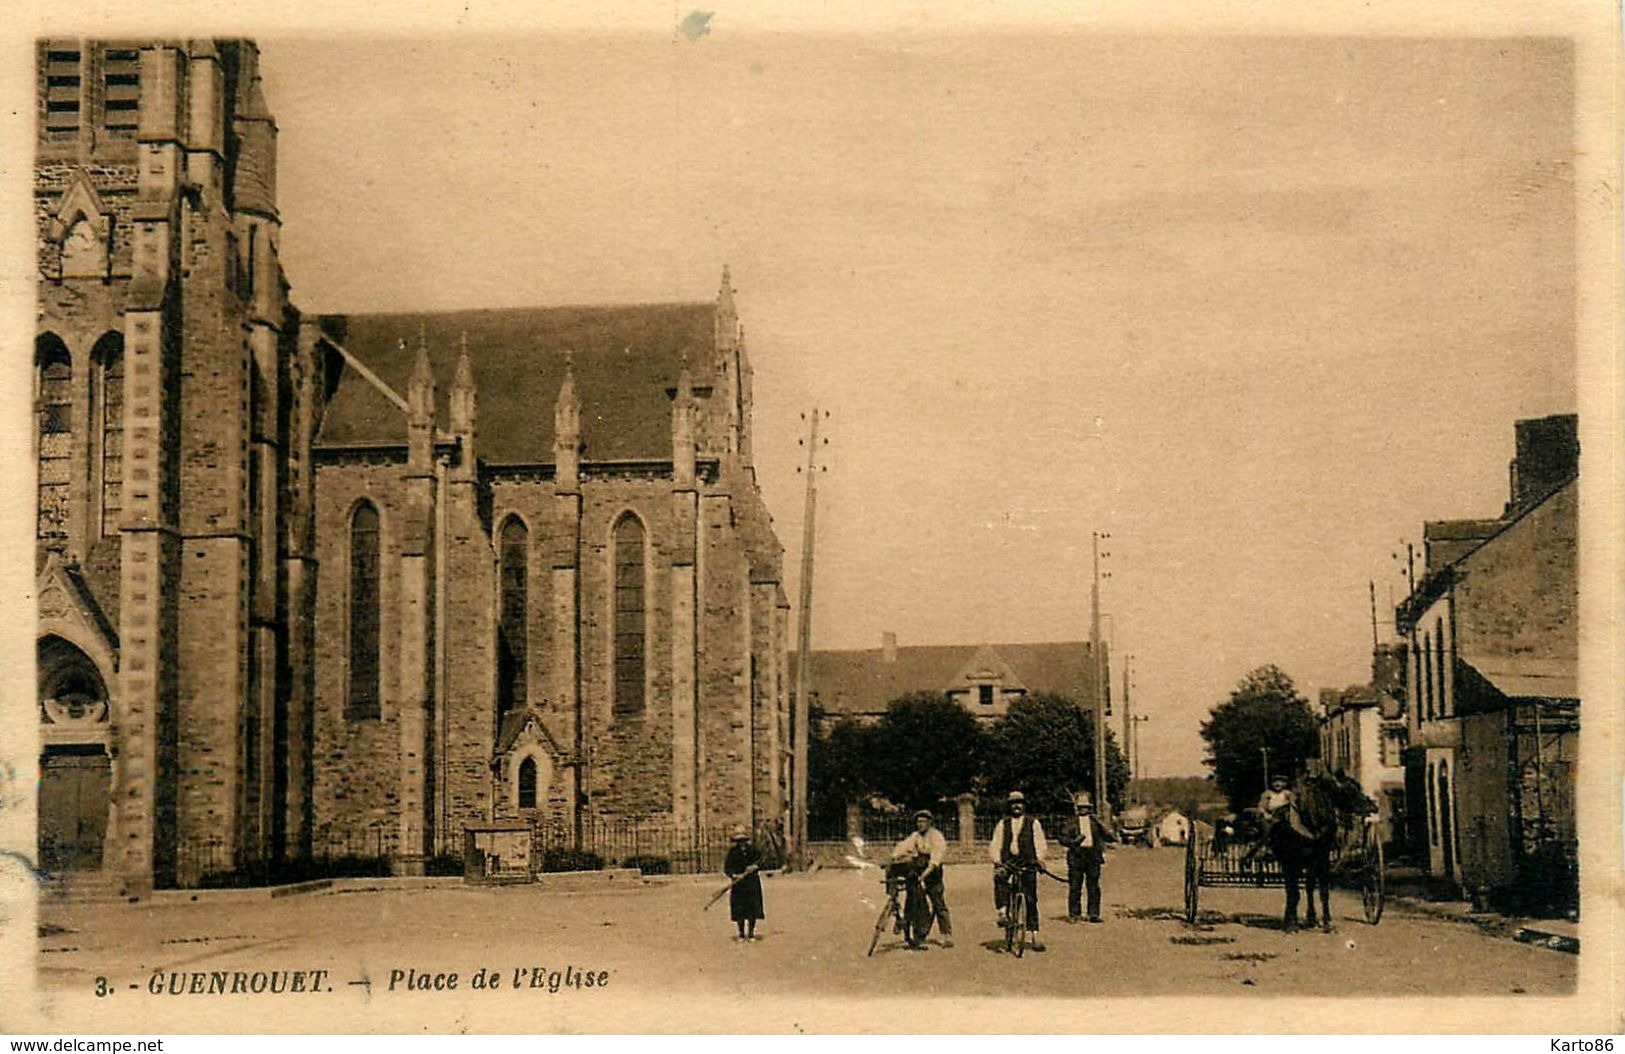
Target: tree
column 1264, row 712
column 837, row 766
column 1044, row 747
column 926, row 749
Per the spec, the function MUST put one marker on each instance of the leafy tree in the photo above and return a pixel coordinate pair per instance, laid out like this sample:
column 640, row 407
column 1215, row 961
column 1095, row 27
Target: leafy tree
column 837, row 773
column 1044, row 747
column 1264, row 711
column 925, row 749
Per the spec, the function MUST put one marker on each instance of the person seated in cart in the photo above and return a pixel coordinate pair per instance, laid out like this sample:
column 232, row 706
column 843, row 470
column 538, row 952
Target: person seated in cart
column 1280, row 804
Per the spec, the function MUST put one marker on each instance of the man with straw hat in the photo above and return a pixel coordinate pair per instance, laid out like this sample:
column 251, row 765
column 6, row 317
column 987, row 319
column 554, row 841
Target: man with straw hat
column 745, row 898
column 1018, row 841
column 1084, row 837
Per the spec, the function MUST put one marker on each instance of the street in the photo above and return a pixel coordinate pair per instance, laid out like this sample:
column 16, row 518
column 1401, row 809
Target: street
column 655, row 938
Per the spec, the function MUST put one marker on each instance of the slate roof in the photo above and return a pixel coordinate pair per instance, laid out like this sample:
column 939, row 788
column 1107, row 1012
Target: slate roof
column 1525, row 677
column 624, row 360
column 861, row 681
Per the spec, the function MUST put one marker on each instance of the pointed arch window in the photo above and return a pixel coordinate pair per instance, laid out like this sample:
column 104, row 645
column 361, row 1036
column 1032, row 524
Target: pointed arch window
column 513, row 640
column 53, row 393
column 109, row 423
column 631, row 630
column 527, row 783
column 361, row 701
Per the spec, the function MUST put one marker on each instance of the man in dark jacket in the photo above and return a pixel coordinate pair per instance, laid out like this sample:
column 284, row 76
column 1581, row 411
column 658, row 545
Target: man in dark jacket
column 1085, row 838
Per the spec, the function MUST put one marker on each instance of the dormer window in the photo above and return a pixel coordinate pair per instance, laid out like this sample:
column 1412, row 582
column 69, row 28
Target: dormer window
column 985, row 694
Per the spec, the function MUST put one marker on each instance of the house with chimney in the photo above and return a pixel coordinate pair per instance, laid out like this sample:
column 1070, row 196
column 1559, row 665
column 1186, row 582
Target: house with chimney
column 984, row 679
column 1492, row 697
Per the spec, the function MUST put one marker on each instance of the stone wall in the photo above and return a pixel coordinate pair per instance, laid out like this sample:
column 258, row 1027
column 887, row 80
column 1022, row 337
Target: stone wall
column 1520, row 594
column 629, row 755
column 356, row 771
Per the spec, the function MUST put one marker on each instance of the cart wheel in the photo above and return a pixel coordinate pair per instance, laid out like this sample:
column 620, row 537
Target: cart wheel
column 1373, row 879
column 1192, row 880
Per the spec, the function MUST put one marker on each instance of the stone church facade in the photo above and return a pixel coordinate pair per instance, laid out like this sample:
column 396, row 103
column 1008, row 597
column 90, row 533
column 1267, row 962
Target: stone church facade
column 308, row 584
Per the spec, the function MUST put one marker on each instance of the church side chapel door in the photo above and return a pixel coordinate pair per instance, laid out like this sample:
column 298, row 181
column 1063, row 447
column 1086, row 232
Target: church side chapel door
column 74, row 794
column 76, row 773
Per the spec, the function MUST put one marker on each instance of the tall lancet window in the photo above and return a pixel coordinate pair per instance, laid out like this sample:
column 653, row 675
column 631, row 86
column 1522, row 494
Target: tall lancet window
column 109, row 395
column 53, row 389
column 631, row 630
column 362, row 698
column 513, row 640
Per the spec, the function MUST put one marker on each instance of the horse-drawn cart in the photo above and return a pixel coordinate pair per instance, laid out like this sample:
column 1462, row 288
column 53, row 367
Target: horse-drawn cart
column 1225, row 861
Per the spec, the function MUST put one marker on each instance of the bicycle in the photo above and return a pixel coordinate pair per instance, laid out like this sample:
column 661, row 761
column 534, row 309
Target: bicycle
column 907, row 905
column 1016, row 933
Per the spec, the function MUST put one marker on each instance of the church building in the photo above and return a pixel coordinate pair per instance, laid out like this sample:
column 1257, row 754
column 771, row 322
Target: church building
column 317, row 586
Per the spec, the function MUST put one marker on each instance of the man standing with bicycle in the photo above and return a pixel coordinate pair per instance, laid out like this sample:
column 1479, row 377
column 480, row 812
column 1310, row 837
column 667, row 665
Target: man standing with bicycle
column 928, row 842
column 1018, row 844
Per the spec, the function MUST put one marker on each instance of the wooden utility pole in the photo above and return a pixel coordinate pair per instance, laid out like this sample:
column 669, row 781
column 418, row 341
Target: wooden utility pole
column 1373, row 584
column 1139, row 719
column 803, row 723
column 1128, row 723
column 1102, row 807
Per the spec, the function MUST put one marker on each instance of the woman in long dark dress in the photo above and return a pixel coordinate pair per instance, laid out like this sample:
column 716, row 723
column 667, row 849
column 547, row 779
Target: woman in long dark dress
column 745, row 899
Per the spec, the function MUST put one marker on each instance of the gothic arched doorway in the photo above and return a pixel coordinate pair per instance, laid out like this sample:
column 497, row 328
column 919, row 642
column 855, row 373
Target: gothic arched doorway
column 76, row 773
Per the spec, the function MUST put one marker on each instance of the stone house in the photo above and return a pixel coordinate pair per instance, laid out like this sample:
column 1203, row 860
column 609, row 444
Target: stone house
column 1363, row 734
column 308, row 584
column 1492, row 693
column 983, row 678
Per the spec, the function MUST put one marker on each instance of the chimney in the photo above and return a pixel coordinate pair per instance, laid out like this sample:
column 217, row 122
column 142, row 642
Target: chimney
column 888, row 646
column 1548, row 454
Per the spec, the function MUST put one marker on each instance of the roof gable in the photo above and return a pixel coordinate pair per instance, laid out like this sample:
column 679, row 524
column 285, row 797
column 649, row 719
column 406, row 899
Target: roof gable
column 863, row 681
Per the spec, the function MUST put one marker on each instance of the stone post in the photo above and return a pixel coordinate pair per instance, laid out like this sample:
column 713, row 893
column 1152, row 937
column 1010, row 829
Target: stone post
column 967, row 819
column 854, row 820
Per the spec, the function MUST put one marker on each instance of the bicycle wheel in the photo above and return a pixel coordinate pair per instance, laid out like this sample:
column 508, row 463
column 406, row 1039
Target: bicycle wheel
column 887, row 913
column 917, row 918
column 1016, row 933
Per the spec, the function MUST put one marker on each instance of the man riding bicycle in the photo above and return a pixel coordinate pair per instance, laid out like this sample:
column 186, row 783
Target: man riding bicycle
column 928, row 844
column 1018, row 844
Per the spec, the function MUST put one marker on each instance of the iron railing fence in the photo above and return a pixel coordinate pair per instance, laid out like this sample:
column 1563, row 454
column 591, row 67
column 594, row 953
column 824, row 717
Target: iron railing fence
column 652, row 845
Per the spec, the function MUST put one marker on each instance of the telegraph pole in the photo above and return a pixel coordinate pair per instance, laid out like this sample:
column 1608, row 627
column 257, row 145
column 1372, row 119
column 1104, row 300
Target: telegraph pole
column 1128, row 712
column 1139, row 719
column 1128, row 722
column 1373, row 584
column 1101, row 685
column 803, row 724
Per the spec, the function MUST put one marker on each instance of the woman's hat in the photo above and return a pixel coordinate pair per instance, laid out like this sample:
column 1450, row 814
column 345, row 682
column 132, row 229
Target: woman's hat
column 925, row 813
column 740, row 834
column 1016, row 796
column 1082, row 799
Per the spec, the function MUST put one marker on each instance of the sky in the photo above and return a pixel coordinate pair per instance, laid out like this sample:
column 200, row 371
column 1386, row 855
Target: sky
column 1255, row 307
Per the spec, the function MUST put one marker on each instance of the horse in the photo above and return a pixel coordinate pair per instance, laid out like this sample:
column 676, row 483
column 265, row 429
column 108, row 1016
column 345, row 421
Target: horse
column 1303, row 845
